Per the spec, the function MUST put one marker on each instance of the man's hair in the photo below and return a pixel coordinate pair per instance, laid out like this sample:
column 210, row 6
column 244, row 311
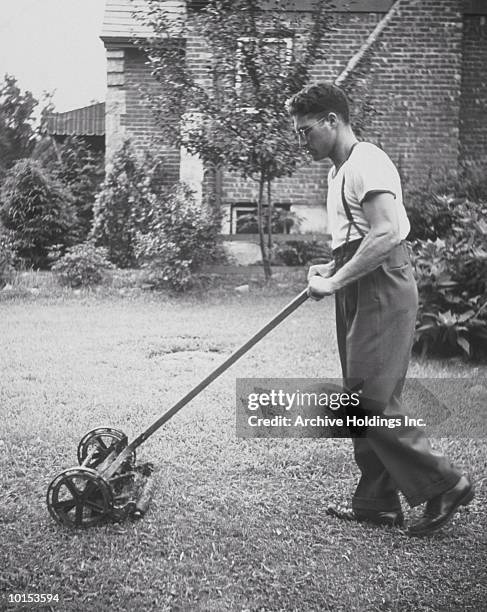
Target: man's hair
column 318, row 99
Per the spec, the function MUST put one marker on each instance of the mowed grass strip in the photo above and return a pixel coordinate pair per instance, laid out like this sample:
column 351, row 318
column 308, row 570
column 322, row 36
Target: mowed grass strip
column 234, row 524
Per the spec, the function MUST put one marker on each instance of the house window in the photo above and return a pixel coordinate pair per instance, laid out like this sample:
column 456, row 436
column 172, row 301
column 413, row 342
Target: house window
column 243, row 218
column 278, row 49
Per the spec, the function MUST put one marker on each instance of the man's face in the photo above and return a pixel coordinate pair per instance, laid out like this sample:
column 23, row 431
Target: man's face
column 317, row 133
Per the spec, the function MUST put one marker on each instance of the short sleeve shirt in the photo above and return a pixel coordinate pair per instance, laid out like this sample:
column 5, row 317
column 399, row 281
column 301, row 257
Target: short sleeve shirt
column 367, row 170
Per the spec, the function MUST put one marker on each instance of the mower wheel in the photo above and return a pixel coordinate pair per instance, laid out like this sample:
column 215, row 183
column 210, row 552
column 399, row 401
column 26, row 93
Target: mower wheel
column 79, row 497
column 97, row 444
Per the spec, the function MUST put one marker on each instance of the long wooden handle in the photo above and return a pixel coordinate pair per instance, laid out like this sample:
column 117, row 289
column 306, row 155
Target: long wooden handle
column 285, row 312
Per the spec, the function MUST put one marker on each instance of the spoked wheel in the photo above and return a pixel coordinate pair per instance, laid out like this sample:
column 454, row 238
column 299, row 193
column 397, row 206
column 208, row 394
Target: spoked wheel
column 97, row 444
column 79, row 497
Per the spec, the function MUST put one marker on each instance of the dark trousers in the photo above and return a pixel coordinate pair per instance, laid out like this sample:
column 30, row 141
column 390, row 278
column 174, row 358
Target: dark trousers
column 375, row 319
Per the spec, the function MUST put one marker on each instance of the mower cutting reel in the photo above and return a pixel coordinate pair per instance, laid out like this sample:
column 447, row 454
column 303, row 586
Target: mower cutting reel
column 99, row 443
column 108, row 484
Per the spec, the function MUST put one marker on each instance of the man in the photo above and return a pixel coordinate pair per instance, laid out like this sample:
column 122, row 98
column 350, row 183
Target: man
column 376, row 303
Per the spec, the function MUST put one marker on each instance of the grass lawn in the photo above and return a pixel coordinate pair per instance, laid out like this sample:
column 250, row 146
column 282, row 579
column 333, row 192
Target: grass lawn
column 234, row 524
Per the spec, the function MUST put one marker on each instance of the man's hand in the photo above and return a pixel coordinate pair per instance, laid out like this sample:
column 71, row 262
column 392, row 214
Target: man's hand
column 318, row 287
column 323, row 270
column 319, row 284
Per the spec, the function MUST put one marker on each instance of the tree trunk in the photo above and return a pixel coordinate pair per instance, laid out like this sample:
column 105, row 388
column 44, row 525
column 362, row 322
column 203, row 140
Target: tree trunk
column 270, row 210
column 260, row 224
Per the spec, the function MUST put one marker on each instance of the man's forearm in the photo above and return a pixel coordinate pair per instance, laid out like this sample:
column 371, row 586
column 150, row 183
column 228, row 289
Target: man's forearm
column 371, row 253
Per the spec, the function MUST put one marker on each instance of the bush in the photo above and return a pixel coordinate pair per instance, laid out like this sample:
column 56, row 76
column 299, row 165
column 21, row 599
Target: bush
column 452, row 283
column 83, row 265
column 471, row 182
column 301, row 252
column 181, row 237
column 449, row 234
column 433, row 205
column 431, row 216
column 124, row 206
column 38, row 211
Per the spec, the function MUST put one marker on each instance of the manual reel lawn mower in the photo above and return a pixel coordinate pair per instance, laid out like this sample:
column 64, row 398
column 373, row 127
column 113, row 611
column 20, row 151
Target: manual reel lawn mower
column 85, row 496
column 108, row 484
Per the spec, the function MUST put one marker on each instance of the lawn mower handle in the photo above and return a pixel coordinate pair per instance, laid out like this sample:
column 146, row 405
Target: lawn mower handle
column 285, row 312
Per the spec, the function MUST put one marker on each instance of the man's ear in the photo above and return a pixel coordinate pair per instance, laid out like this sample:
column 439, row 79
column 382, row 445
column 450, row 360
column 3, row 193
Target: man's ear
column 332, row 119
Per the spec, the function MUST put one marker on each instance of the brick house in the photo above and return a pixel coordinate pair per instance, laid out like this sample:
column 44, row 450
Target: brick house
column 430, row 72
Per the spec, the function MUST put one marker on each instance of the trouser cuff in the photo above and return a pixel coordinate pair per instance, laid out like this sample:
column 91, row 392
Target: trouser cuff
column 433, row 490
column 384, row 504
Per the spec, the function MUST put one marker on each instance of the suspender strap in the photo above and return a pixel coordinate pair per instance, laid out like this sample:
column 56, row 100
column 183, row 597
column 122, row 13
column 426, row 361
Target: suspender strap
column 348, row 212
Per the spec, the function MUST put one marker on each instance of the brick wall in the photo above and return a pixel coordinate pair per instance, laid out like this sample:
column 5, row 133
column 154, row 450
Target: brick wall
column 416, row 71
column 473, row 115
column 138, row 121
column 128, row 113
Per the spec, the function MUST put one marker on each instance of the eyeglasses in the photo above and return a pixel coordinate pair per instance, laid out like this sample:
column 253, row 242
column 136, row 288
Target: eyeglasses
column 303, row 132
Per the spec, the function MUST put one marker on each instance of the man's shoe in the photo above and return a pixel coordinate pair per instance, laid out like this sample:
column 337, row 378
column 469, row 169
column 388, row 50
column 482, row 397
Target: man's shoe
column 392, row 518
column 440, row 509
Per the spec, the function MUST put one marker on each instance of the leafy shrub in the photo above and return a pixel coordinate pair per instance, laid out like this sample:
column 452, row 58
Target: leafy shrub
column 38, row 211
column 181, row 237
column 124, row 206
column 431, row 216
column 452, row 283
column 82, row 265
column 470, row 182
column 301, row 252
column 433, row 204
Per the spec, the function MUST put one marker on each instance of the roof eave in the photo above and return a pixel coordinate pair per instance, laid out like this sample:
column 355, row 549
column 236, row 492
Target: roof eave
column 126, row 41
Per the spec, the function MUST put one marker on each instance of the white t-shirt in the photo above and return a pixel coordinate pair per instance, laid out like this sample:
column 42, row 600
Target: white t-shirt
column 368, row 170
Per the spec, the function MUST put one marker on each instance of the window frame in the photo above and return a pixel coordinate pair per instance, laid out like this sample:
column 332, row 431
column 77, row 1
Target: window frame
column 247, row 208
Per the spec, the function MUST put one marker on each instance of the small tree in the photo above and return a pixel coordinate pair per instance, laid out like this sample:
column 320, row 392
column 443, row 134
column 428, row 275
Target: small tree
column 17, row 134
column 81, row 170
column 257, row 59
column 38, row 211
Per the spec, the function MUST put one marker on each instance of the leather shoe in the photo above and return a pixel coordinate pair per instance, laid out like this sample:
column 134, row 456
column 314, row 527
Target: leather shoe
column 391, row 518
column 440, row 509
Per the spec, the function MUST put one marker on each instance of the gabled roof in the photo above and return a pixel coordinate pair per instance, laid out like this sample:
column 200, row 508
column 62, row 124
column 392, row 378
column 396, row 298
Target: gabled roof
column 120, row 22
column 86, row 121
